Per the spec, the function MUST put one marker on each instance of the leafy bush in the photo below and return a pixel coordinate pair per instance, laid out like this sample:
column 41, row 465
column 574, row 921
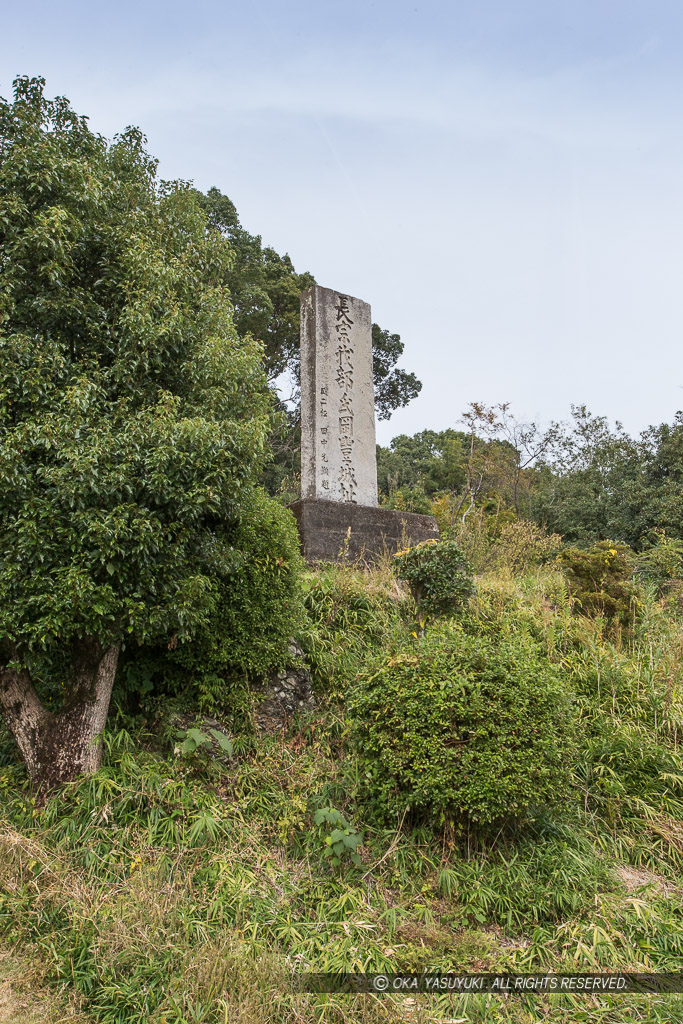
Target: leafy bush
column 339, row 839
column 194, row 742
column 521, row 545
column 257, row 570
column 259, row 606
column 470, row 728
column 662, row 564
column 600, row 581
column 438, row 574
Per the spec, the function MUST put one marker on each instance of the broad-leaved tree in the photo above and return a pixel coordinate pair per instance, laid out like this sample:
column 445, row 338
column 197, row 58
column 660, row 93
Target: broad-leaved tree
column 132, row 420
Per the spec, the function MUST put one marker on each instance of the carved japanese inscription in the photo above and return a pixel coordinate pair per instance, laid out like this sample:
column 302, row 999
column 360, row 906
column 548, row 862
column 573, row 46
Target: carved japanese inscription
column 338, row 460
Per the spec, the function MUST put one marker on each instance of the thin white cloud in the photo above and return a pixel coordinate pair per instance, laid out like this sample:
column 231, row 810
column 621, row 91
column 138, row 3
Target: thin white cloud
column 568, row 107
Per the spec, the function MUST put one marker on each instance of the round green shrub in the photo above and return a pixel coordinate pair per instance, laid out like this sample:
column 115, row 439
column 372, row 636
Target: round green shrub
column 438, row 574
column 257, row 571
column 601, row 581
column 259, row 607
column 472, row 729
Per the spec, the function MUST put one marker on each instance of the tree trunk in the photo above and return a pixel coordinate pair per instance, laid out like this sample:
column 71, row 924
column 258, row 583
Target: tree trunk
column 57, row 747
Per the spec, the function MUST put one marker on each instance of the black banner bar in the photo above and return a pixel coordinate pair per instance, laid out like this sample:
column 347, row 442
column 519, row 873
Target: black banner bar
column 502, row 984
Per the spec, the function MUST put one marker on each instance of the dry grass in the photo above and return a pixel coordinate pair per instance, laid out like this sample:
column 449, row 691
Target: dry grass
column 23, row 1000
column 636, row 878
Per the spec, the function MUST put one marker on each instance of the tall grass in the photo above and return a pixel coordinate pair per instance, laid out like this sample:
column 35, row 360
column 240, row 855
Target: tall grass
column 167, row 891
column 352, row 612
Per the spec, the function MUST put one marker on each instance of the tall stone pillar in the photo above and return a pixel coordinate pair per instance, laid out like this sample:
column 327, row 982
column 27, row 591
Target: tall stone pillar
column 338, row 454
column 337, row 515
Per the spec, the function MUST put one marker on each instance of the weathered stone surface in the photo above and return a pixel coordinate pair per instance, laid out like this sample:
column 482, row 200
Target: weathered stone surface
column 284, row 694
column 338, row 454
column 338, row 515
column 333, row 530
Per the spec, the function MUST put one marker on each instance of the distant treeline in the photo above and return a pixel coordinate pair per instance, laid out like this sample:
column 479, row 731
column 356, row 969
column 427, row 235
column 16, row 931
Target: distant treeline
column 585, row 480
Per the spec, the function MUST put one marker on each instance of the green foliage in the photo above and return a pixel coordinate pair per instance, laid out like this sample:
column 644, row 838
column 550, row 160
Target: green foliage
column 408, row 499
column 264, row 286
column 340, row 840
column 182, row 890
column 521, row 545
column 132, row 418
column 600, row 581
column 132, row 426
column 585, row 482
column 492, row 537
column 394, row 386
column 662, row 564
column 256, row 571
column 195, row 742
column 351, row 614
column 472, row 532
column 598, row 482
column 457, row 726
column 258, row 609
column 432, row 460
column 438, row 574
column 265, row 289
column 625, row 768
column 489, row 463
column 629, row 706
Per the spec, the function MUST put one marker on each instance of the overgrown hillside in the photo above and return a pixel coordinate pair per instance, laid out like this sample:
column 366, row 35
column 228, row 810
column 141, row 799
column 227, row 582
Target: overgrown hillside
column 490, row 775
column 194, row 887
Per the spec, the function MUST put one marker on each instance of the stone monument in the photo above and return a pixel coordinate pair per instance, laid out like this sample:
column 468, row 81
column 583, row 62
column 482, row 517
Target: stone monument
column 338, row 455
column 338, row 515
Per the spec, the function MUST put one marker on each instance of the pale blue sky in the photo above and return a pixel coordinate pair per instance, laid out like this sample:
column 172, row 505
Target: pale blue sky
column 501, row 179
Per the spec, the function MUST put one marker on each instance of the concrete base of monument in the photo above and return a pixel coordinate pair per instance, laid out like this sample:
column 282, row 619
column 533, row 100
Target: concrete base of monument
column 333, row 531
